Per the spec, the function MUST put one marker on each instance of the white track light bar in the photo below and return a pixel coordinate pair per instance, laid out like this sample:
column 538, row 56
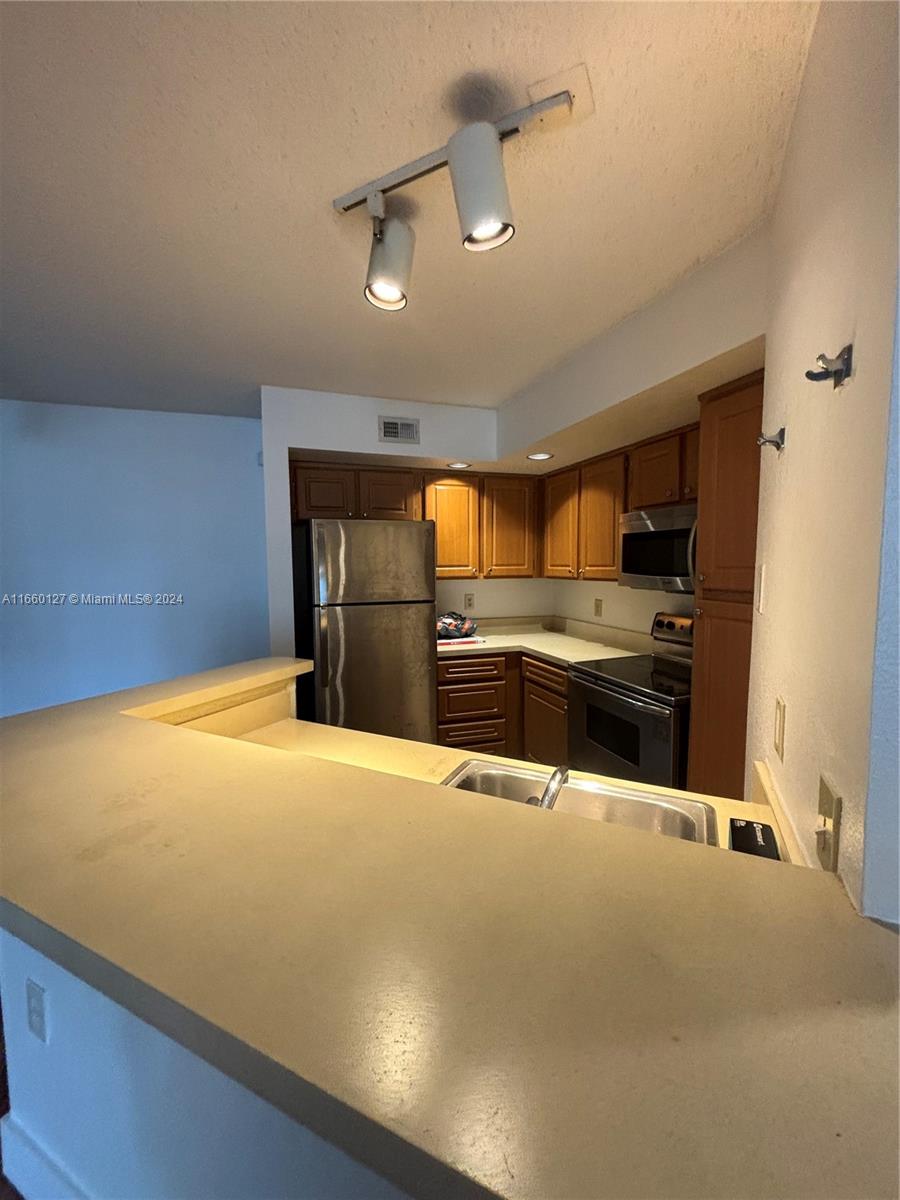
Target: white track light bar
column 507, row 127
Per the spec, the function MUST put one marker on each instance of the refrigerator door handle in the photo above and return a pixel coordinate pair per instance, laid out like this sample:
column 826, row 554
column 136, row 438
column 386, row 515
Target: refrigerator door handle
column 324, row 671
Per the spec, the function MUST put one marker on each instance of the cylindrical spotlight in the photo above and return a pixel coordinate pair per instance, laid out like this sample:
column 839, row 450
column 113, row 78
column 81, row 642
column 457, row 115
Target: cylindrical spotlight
column 390, row 264
column 479, row 186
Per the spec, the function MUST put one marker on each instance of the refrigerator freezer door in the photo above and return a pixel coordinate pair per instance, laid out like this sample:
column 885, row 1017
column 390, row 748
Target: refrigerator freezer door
column 372, row 562
column 376, row 669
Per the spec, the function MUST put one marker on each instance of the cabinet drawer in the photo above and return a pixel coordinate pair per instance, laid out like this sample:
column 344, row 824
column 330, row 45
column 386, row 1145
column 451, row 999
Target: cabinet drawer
column 546, row 675
column 475, row 735
column 476, row 669
column 465, row 701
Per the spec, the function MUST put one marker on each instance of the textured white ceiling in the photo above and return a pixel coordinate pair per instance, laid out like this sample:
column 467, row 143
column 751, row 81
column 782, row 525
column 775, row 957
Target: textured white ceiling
column 167, row 234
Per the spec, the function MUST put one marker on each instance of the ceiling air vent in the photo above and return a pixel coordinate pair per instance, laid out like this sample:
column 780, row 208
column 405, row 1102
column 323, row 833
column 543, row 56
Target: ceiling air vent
column 398, row 429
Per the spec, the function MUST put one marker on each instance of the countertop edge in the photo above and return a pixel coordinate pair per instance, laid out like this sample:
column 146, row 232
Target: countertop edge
column 391, row 1156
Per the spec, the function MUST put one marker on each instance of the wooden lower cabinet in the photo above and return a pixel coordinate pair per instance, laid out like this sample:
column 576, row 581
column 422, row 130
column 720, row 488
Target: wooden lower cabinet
column 545, row 725
column 720, row 683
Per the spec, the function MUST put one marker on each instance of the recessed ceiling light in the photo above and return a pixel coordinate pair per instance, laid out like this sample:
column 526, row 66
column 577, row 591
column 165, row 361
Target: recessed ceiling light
column 540, row 456
column 479, row 186
column 458, row 466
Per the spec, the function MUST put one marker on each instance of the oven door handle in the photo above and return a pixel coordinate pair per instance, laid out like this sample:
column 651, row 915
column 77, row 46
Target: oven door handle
column 657, row 710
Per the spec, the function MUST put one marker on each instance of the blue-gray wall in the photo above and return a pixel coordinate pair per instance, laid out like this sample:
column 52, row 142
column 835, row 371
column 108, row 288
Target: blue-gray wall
column 105, row 500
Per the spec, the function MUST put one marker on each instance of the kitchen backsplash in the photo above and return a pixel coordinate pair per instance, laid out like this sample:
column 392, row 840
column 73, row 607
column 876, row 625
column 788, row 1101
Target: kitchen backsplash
column 623, row 608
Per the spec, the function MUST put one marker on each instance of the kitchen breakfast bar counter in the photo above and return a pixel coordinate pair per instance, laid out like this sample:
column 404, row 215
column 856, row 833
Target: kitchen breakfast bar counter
column 465, row 995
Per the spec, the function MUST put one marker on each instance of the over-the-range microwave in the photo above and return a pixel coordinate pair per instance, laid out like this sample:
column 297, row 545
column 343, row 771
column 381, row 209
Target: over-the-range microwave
column 657, row 548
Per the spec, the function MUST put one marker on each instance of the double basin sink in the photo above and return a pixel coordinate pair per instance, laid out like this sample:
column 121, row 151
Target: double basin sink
column 689, row 820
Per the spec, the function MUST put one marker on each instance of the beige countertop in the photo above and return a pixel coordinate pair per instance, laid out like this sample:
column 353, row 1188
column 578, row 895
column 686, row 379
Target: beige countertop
column 559, row 648
column 458, row 991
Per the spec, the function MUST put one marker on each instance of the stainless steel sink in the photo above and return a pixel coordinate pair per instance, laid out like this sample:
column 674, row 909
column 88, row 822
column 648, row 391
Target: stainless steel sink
column 690, row 820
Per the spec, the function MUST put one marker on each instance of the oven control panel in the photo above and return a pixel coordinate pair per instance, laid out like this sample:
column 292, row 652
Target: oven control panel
column 670, row 627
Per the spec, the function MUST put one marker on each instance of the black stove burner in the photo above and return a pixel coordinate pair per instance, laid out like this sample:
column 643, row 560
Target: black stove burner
column 656, row 676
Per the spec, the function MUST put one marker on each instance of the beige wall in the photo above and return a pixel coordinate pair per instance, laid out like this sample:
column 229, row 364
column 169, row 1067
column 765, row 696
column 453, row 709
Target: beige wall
column 832, row 281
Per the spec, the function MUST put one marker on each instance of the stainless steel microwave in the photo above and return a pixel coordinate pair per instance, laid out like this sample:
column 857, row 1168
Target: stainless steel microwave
column 656, row 548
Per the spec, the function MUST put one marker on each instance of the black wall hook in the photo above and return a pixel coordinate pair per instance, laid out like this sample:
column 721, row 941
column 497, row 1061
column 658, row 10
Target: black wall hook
column 838, row 368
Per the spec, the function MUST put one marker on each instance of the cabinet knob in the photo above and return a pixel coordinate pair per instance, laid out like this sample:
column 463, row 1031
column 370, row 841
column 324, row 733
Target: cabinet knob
column 668, row 491
column 474, row 570
column 490, row 570
column 581, row 572
column 349, row 514
column 365, row 515
column 702, row 578
column 698, row 612
column 688, row 489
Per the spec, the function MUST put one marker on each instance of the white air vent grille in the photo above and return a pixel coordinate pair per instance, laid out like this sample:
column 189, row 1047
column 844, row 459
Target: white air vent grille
column 398, row 429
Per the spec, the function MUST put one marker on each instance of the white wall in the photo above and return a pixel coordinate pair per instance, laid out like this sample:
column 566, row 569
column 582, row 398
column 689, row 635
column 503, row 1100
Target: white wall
column 880, row 885
column 715, row 308
column 303, row 419
column 111, row 1107
column 109, row 501
column 623, row 608
column 833, row 276
column 497, row 597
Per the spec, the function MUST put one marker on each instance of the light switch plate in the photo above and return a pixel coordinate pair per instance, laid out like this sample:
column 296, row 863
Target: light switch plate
column 828, row 833
column 468, row 601
column 598, row 607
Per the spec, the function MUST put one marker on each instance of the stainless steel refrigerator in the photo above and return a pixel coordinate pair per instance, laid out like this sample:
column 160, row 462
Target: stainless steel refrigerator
column 364, row 612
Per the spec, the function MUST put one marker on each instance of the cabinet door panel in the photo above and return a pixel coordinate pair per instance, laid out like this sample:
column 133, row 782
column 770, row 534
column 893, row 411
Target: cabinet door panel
column 453, row 506
column 729, row 490
column 602, row 498
column 390, row 495
column 324, row 492
column 690, row 464
column 654, row 472
column 545, row 725
column 720, row 682
column 561, row 525
column 507, row 540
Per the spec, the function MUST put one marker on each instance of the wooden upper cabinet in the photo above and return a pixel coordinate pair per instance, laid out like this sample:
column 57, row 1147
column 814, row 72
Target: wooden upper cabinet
column 654, row 473
column 561, row 525
column 452, row 503
column 390, row 495
column 507, row 527
column 690, row 464
column 602, row 500
column 324, row 492
column 720, row 682
column 730, row 422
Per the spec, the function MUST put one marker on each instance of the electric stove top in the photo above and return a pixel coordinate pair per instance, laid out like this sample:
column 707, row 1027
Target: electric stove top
column 657, row 677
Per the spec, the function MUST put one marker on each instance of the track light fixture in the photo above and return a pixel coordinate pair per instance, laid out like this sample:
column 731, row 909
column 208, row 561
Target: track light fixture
column 475, row 159
column 390, row 259
column 479, row 186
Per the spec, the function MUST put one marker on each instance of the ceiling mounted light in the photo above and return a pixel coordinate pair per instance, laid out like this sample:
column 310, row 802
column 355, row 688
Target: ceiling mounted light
column 479, row 186
column 458, row 466
column 390, row 259
column 540, row 456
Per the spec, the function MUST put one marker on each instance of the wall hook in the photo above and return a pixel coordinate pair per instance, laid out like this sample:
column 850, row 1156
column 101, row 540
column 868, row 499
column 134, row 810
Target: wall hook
column 777, row 440
column 837, row 369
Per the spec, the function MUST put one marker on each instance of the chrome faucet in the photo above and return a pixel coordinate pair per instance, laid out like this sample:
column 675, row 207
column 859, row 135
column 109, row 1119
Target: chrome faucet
column 555, row 784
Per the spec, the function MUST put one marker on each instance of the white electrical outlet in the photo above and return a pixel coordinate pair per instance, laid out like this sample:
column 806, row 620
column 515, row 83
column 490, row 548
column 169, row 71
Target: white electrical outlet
column 778, row 740
column 598, row 607
column 468, row 601
column 35, row 997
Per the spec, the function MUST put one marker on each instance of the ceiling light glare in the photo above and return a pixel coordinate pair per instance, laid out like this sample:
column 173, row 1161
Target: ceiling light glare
column 458, row 466
column 390, row 264
column 479, row 186
column 540, row 456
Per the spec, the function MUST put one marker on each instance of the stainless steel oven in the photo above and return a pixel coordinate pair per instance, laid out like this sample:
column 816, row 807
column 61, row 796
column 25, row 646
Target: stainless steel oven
column 657, row 548
column 629, row 717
